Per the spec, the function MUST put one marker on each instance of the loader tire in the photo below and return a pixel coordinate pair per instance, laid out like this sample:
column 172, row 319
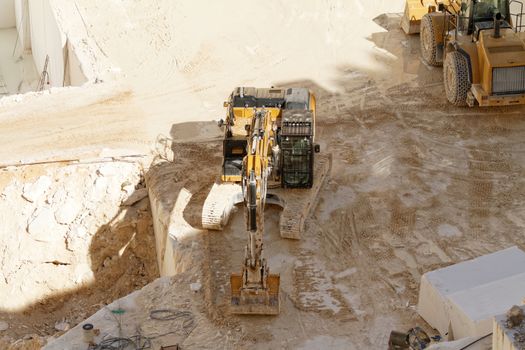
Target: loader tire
column 456, row 78
column 428, row 42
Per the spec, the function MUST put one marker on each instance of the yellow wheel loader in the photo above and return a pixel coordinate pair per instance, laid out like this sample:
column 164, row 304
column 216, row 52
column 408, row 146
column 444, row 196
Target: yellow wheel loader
column 481, row 49
column 268, row 143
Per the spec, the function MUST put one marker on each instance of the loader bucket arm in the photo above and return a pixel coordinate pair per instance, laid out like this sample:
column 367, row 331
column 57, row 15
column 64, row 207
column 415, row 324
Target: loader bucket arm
column 416, row 9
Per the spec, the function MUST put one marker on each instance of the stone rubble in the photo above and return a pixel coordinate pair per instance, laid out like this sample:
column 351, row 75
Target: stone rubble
column 58, row 226
column 32, row 192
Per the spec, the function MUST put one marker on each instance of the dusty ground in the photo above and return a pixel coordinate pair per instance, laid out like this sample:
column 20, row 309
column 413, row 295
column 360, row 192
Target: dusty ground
column 416, row 184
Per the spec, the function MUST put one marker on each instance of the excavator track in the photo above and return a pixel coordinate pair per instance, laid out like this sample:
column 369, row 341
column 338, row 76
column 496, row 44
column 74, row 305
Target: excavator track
column 297, row 204
column 219, row 204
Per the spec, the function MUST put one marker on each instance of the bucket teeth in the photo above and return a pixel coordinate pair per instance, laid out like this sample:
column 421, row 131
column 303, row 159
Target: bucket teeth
column 256, row 301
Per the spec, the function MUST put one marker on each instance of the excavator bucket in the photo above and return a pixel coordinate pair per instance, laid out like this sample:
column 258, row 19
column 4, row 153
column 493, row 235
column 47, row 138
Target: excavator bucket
column 263, row 301
column 414, row 11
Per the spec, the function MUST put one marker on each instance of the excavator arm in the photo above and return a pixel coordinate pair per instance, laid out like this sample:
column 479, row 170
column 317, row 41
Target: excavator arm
column 255, row 290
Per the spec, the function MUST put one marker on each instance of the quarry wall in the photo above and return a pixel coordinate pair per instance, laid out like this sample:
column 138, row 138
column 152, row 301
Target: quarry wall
column 47, row 40
column 21, row 9
column 41, row 33
column 7, row 14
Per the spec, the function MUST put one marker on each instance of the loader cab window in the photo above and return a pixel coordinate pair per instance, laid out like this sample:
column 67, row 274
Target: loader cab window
column 464, row 17
column 485, row 10
column 473, row 11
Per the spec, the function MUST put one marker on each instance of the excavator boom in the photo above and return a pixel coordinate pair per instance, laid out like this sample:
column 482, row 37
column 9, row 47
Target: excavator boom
column 255, row 290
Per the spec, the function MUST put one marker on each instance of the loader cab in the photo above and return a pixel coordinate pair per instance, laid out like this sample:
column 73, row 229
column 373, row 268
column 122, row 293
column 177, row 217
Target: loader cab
column 477, row 15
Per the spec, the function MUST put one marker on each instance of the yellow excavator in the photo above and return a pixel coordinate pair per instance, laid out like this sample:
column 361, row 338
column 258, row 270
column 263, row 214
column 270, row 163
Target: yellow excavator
column 480, row 45
column 255, row 290
column 268, row 143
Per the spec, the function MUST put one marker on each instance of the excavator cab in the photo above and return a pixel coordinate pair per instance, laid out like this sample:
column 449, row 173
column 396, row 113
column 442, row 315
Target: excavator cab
column 234, row 151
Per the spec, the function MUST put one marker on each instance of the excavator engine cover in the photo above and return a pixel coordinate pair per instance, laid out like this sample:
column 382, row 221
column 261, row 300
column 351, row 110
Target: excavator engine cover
column 245, row 301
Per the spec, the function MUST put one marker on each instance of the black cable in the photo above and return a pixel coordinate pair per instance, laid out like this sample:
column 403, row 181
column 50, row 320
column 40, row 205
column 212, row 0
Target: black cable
column 475, row 341
column 138, row 342
column 170, row 315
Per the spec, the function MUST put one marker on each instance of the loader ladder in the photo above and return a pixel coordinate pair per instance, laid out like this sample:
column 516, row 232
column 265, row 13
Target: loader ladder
column 518, row 16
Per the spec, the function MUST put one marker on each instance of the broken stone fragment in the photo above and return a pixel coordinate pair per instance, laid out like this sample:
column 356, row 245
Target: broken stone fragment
column 33, row 192
column 127, row 187
column 4, row 326
column 67, row 212
column 520, row 338
column 195, row 287
column 106, row 170
column 75, row 240
column 43, row 228
column 99, row 189
column 62, row 326
column 135, row 197
column 515, row 316
column 78, row 231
